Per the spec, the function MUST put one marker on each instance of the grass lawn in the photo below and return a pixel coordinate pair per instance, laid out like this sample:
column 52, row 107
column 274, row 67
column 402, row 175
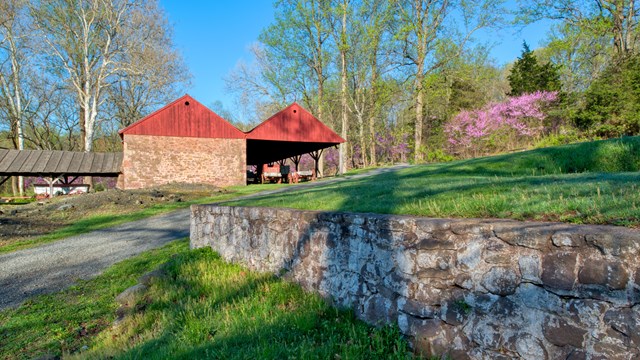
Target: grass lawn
column 594, row 183
column 102, row 220
column 203, row 307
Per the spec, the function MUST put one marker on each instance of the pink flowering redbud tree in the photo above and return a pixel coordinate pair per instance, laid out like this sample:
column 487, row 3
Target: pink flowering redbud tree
column 500, row 126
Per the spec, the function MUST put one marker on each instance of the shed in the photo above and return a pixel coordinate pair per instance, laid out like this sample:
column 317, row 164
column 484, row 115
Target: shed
column 58, row 166
column 290, row 132
column 183, row 142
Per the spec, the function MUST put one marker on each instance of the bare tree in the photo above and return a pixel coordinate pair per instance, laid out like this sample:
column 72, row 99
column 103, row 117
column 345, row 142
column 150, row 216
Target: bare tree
column 85, row 41
column 14, row 53
column 263, row 87
column 616, row 19
column 155, row 71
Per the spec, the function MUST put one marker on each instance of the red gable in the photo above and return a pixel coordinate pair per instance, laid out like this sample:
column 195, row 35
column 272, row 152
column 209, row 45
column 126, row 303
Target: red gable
column 295, row 124
column 184, row 117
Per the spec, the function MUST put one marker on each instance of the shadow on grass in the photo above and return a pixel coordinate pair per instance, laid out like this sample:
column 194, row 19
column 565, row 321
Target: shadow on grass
column 263, row 327
column 390, row 192
column 614, row 155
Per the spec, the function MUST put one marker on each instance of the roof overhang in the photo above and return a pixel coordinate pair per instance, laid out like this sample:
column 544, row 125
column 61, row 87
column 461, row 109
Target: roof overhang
column 53, row 163
column 267, row 151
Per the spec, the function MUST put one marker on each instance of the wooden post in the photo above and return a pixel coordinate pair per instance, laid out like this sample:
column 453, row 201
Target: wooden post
column 315, row 155
column 51, row 183
column 296, row 161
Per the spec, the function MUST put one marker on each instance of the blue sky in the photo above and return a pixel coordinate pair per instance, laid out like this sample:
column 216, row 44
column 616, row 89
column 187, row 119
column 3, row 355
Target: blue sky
column 214, row 35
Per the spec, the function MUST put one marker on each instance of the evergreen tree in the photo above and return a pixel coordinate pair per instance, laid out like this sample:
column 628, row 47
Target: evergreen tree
column 527, row 76
column 612, row 102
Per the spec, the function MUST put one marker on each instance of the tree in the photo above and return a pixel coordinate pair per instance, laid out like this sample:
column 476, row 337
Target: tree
column 264, row 86
column 298, row 41
column 342, row 10
column 423, row 25
column 512, row 120
column 612, row 102
column 14, row 73
column 156, row 73
column 579, row 53
column 85, row 44
column 615, row 19
column 527, row 76
column 368, row 62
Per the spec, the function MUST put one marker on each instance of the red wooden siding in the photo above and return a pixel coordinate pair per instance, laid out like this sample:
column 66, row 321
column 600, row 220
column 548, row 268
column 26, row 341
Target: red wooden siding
column 295, row 124
column 184, row 117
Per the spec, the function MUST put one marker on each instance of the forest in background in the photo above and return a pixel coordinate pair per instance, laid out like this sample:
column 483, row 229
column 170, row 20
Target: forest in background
column 402, row 81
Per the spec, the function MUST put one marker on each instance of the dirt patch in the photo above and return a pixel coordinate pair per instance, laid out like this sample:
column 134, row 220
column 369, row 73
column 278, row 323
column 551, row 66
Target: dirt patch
column 20, row 222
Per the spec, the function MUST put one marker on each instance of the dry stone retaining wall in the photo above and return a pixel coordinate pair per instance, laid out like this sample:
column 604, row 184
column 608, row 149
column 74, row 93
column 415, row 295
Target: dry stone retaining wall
column 467, row 288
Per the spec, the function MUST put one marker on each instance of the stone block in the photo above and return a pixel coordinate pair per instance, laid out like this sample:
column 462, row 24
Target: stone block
column 464, row 281
column 129, row 296
column 530, row 347
column 405, row 261
column 625, row 321
column 379, row 310
column 441, row 241
column 530, row 268
column 558, row 270
column 614, row 241
column 471, row 227
column 417, row 309
column 593, row 272
column 604, row 272
column 455, row 313
column 469, row 255
column 501, row 281
column 559, row 332
column 533, row 236
column 567, row 239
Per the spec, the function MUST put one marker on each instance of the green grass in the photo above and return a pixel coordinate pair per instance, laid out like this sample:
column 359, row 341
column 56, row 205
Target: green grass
column 97, row 222
column 595, row 183
column 203, row 308
column 18, row 201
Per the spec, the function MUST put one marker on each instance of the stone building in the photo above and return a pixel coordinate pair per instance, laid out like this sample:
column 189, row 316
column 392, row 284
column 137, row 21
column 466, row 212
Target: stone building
column 183, row 142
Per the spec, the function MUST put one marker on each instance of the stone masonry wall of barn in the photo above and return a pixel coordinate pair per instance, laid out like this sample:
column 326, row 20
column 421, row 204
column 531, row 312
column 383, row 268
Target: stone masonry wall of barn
column 468, row 288
column 156, row 160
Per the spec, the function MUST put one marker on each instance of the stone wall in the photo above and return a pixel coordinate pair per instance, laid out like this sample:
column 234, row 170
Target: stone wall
column 156, row 160
column 468, row 288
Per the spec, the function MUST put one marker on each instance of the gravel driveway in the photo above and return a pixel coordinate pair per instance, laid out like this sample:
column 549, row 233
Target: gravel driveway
column 57, row 265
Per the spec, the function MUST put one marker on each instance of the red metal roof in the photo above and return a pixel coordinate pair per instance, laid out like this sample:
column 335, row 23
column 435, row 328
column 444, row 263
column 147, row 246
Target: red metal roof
column 184, row 117
column 294, row 124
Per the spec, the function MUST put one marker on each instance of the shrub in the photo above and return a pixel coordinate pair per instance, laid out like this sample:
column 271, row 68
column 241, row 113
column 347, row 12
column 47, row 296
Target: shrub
column 500, row 126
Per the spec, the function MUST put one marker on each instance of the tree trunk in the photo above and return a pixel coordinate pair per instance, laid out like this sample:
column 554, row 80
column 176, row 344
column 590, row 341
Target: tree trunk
column 14, row 185
column 631, row 17
column 344, row 116
column 417, row 155
column 363, row 149
column 343, row 90
column 320, row 160
column 374, row 111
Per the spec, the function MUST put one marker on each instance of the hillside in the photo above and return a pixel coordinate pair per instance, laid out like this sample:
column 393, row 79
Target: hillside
column 593, row 182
